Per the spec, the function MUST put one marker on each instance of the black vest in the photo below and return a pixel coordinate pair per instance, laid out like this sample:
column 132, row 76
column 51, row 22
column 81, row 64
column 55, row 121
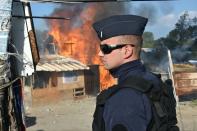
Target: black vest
column 162, row 119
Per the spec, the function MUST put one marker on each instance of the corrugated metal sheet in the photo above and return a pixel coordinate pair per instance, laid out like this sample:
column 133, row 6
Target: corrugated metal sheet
column 59, row 63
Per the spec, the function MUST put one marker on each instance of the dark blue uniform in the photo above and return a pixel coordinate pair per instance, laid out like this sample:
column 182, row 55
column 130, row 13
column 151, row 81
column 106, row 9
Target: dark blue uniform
column 129, row 109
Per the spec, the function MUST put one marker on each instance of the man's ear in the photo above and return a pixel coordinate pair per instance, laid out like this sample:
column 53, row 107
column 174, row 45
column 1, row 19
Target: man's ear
column 128, row 52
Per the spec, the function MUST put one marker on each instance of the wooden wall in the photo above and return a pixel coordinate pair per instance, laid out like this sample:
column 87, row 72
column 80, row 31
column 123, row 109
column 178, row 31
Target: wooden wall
column 186, row 83
column 52, row 86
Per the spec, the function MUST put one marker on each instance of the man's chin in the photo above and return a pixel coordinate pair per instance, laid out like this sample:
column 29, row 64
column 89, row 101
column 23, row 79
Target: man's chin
column 107, row 67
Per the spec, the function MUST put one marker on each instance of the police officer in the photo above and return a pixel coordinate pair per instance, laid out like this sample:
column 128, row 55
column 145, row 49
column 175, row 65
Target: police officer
column 121, row 42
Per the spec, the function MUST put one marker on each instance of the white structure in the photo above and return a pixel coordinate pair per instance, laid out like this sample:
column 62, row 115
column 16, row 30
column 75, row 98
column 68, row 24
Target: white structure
column 21, row 28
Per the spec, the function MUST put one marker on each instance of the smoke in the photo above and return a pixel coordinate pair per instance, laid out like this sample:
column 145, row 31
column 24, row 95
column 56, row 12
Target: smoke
column 81, row 17
column 156, row 59
column 107, row 9
column 181, row 53
column 166, row 7
column 78, row 28
column 147, row 10
column 104, row 9
column 71, row 11
column 75, row 37
column 80, row 13
column 118, row 8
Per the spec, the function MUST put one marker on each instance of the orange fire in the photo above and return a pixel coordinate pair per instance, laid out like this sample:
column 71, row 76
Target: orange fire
column 79, row 41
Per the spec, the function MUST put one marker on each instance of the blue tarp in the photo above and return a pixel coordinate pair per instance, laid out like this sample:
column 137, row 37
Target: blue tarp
column 5, row 15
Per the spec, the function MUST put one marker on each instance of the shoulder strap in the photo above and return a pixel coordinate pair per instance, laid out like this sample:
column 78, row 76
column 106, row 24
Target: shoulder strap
column 137, row 83
column 133, row 82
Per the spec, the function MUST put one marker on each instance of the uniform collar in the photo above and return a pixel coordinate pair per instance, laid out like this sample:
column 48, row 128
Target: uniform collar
column 126, row 68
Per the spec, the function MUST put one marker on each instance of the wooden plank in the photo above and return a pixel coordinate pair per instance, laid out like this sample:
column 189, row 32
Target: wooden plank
column 78, row 92
column 189, row 75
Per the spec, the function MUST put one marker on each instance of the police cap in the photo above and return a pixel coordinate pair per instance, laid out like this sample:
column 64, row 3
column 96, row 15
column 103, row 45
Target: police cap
column 120, row 25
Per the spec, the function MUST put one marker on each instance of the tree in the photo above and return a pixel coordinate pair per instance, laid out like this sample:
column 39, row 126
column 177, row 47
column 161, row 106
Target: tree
column 182, row 39
column 193, row 31
column 194, row 49
column 182, row 25
column 184, row 32
column 194, row 20
column 148, row 40
column 168, row 42
column 180, row 33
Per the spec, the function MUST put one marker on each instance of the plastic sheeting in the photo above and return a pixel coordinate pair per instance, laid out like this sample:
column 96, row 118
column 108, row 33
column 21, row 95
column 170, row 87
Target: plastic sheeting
column 5, row 15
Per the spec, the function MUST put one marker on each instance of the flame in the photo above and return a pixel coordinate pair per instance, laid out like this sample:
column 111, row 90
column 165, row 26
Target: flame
column 106, row 79
column 78, row 40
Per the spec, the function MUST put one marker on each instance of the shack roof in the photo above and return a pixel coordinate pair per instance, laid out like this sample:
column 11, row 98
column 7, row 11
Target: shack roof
column 59, row 63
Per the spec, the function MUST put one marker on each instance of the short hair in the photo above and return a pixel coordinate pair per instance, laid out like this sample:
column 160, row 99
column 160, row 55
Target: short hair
column 132, row 39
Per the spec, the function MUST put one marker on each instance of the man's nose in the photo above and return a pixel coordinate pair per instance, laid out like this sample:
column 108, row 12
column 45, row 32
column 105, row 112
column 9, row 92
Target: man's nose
column 100, row 53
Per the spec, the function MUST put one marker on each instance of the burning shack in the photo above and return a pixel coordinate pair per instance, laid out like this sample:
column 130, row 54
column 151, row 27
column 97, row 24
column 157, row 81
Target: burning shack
column 59, row 76
column 75, row 38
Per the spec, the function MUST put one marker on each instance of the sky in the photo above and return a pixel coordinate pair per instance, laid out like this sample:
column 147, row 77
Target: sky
column 166, row 20
column 162, row 14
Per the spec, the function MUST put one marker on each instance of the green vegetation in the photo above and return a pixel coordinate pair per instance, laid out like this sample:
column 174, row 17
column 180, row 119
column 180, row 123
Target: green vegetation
column 182, row 40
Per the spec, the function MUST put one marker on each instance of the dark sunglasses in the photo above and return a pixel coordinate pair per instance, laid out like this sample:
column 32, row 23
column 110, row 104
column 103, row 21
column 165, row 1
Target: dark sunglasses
column 107, row 49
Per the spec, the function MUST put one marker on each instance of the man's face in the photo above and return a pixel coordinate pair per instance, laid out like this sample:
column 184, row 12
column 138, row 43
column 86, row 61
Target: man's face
column 112, row 55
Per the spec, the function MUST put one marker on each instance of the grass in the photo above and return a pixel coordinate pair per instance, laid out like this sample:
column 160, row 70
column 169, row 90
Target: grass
column 194, row 102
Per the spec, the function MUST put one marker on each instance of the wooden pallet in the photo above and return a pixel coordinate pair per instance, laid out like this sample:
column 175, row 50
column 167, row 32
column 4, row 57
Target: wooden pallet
column 78, row 92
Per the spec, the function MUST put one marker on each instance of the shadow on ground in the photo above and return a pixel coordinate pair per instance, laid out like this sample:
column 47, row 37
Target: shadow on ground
column 188, row 97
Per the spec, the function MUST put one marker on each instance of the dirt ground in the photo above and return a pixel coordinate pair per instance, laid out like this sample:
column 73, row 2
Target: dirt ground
column 64, row 115
column 187, row 116
column 76, row 115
